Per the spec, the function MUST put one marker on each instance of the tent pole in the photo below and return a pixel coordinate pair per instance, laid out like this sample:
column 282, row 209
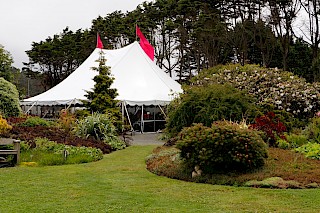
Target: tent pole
column 31, row 107
column 142, row 124
column 125, row 107
column 154, row 118
column 122, row 112
column 70, row 104
column 162, row 111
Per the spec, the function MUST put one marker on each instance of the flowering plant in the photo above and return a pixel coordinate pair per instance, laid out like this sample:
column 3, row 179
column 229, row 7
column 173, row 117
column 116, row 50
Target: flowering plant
column 284, row 90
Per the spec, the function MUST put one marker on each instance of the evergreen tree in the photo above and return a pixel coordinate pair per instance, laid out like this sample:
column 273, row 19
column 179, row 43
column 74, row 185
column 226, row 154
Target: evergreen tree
column 102, row 98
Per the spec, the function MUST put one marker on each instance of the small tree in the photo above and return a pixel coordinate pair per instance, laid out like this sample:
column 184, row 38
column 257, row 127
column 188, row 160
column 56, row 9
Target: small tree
column 102, row 98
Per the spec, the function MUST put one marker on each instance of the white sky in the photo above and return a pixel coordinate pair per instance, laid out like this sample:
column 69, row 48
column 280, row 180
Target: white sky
column 25, row 21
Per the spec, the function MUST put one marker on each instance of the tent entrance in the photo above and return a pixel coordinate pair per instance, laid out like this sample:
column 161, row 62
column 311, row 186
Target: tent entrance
column 143, row 118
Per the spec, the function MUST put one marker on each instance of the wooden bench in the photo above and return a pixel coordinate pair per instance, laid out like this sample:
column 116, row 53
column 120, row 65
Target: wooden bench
column 15, row 151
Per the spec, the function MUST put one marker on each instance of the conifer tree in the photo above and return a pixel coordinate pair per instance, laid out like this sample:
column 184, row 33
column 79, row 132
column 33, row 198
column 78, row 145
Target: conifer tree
column 102, row 98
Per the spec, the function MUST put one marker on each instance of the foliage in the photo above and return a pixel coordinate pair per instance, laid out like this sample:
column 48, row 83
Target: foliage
column 296, row 139
column 4, row 126
column 29, row 134
column 223, row 147
column 274, row 183
column 9, row 99
column 6, row 62
column 208, row 104
column 33, row 121
column 102, row 98
column 99, row 126
column 285, row 164
column 66, row 120
column 47, row 152
column 271, row 126
column 278, row 88
column 189, row 36
column 166, row 161
column 283, row 144
column 310, row 150
column 312, row 131
column 24, row 146
column 315, row 68
column 82, row 113
column 300, row 60
column 59, row 55
column 17, row 120
column 292, row 141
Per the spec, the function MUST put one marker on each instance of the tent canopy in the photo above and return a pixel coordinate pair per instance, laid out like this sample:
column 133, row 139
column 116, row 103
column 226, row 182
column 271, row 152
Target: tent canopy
column 138, row 80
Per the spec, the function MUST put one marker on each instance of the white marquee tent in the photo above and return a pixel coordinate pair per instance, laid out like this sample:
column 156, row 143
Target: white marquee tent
column 138, row 80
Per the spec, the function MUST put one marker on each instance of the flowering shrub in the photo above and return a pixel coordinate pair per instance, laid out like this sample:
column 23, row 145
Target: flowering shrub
column 271, row 126
column 223, row 147
column 283, row 90
column 4, row 126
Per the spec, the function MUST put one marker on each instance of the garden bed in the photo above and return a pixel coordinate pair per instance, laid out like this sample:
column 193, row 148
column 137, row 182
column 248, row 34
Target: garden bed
column 28, row 134
column 292, row 170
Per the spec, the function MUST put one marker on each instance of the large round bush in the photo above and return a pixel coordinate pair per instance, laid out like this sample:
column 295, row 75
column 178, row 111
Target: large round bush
column 224, row 147
column 9, row 99
column 207, row 104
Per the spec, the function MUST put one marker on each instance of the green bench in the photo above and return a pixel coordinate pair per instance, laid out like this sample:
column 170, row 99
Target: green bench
column 15, row 151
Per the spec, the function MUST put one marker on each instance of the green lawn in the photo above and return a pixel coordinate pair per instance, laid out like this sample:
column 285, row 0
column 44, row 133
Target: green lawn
column 120, row 183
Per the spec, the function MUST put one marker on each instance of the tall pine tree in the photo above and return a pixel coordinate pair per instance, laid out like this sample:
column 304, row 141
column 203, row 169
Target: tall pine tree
column 102, row 98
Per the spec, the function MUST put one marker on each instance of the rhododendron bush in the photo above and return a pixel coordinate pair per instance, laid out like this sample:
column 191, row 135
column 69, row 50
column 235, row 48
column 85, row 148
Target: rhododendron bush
column 283, row 90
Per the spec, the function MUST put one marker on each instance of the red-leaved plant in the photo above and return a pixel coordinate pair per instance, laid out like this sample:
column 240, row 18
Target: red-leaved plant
column 271, row 126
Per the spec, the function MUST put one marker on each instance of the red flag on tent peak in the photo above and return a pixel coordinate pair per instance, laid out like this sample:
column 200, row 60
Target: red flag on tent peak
column 144, row 43
column 99, row 42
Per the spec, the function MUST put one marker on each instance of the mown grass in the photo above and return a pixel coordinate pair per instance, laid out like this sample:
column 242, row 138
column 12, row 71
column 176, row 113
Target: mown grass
column 121, row 183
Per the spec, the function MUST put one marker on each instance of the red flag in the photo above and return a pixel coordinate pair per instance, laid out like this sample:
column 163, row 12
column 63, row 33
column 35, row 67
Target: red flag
column 144, row 43
column 99, row 42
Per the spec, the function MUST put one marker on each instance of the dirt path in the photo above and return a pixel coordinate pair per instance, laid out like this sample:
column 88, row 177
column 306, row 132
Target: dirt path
column 146, row 139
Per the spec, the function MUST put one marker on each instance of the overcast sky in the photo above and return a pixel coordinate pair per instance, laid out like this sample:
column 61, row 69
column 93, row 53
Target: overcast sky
column 25, row 21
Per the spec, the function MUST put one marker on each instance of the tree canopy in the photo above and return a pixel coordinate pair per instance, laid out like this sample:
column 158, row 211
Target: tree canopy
column 190, row 36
